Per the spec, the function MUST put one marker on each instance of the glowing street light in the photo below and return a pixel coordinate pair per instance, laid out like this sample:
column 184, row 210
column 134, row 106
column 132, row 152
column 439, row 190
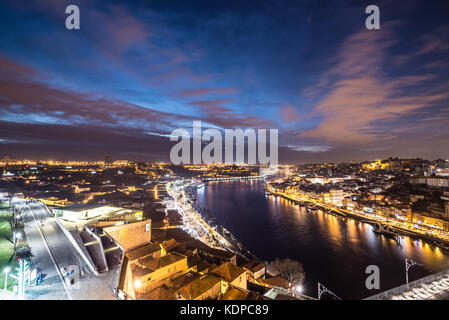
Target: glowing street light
column 6, row 270
column 137, row 283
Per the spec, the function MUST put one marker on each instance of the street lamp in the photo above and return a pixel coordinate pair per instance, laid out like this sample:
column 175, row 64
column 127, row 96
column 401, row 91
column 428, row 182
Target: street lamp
column 322, row 289
column 408, row 264
column 6, row 270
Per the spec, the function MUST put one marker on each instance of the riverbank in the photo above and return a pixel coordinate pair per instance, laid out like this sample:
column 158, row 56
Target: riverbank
column 194, row 222
column 334, row 251
column 441, row 243
column 215, row 238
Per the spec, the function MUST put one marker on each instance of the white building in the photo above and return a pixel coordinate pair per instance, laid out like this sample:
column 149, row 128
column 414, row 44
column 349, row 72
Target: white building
column 438, row 182
column 336, row 197
column 83, row 211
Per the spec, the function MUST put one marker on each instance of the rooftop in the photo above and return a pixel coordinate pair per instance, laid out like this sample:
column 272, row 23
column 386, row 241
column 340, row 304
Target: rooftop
column 277, row 281
column 254, row 266
column 234, row 293
column 160, row 293
column 228, row 271
column 184, row 279
column 83, row 206
column 198, row 286
column 154, row 264
column 143, row 251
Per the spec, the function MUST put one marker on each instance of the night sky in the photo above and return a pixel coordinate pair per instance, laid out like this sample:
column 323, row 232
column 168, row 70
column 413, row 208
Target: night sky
column 136, row 70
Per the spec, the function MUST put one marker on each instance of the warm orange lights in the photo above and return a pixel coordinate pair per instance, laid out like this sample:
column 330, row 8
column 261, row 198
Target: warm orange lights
column 137, row 283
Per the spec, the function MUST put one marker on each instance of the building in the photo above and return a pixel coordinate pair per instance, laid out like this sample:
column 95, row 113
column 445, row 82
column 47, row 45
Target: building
column 277, row 281
column 446, row 210
column 440, row 182
column 147, row 267
column 336, row 197
column 91, row 211
column 445, row 197
column 429, row 220
column 231, row 275
column 203, row 288
column 130, row 235
column 418, row 180
column 395, row 212
column 178, row 267
column 235, row 294
column 149, row 273
column 255, row 269
column 55, row 201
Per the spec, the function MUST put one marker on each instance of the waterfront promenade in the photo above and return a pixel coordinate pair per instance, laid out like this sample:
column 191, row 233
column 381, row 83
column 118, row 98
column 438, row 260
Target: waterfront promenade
column 396, row 226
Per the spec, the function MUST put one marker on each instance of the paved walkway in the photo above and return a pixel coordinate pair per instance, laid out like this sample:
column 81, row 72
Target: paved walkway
column 7, row 295
column 51, row 286
column 51, row 250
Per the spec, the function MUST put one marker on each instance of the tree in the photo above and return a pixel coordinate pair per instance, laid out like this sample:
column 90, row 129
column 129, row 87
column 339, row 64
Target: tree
column 288, row 269
column 12, row 190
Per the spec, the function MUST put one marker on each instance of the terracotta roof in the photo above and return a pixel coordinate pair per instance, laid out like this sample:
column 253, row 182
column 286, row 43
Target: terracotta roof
column 179, row 248
column 160, row 293
column 277, row 281
column 254, row 266
column 228, row 271
column 199, row 286
column 184, row 279
column 234, row 293
column 169, row 244
column 143, row 251
column 148, row 265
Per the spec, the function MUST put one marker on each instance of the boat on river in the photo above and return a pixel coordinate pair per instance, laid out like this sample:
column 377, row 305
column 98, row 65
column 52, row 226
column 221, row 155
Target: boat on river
column 383, row 229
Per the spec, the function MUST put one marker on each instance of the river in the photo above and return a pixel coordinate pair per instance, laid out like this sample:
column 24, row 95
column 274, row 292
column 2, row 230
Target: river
column 334, row 251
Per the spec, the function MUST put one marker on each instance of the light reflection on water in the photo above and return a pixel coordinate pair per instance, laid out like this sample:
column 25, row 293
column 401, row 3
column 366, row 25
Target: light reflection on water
column 333, row 250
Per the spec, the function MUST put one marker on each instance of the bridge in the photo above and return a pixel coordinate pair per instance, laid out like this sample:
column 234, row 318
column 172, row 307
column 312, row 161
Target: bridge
column 235, row 178
column 433, row 287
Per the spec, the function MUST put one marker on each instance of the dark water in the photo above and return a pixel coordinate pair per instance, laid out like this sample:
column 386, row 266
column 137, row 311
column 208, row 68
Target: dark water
column 333, row 251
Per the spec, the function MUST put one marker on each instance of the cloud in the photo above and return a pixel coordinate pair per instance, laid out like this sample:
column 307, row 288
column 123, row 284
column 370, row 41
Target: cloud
column 288, row 113
column 310, row 148
column 217, row 103
column 42, row 117
column 216, row 112
column 435, row 42
column 80, row 142
column 26, row 98
column 359, row 98
column 206, row 91
column 125, row 29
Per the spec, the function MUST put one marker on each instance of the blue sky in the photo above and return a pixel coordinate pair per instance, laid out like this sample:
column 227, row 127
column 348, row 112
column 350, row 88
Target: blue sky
column 138, row 69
